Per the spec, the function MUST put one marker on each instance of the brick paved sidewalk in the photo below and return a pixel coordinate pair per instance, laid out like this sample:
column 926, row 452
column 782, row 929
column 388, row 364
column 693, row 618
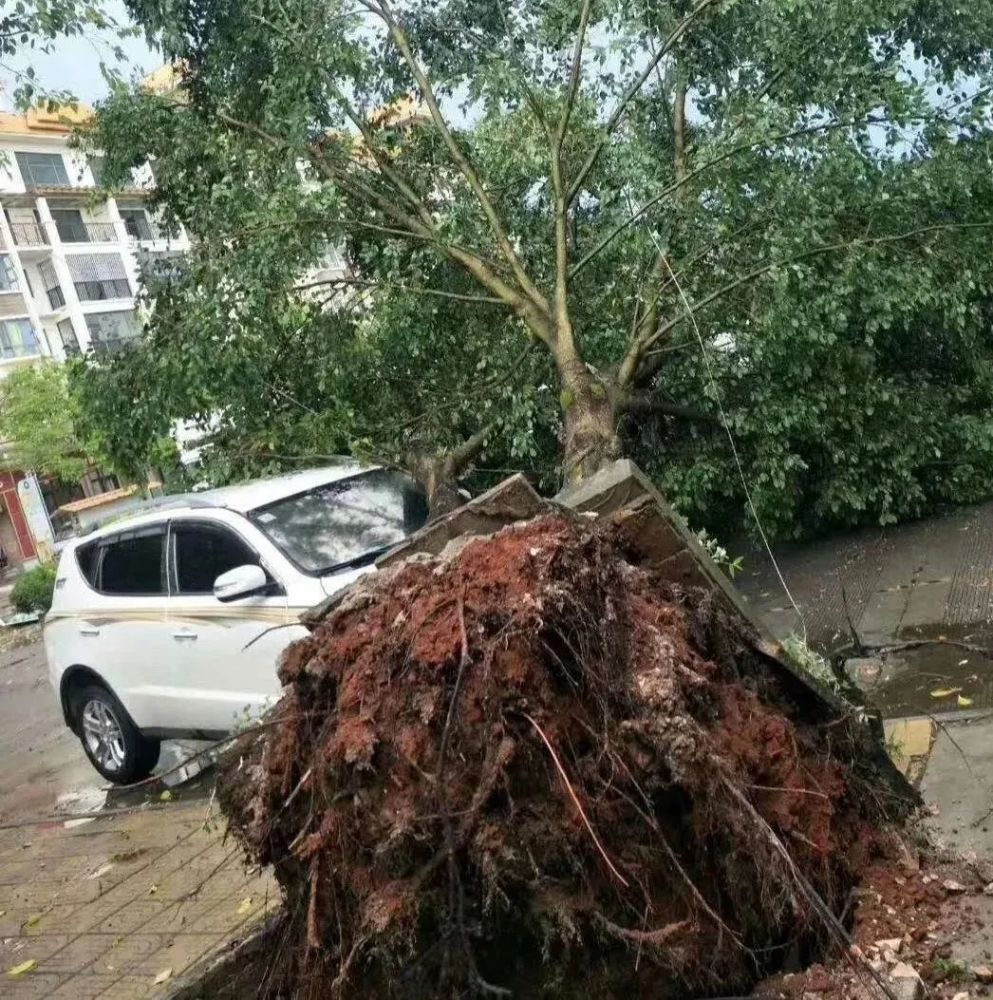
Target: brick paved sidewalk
column 106, row 908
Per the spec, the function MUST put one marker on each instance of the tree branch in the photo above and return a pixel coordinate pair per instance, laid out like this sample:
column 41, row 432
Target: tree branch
column 575, row 74
column 529, row 94
column 465, row 167
column 679, row 131
column 458, row 458
column 360, row 283
column 632, row 92
column 563, row 323
column 406, row 189
column 703, row 167
column 648, row 371
column 536, row 318
column 494, row 383
column 647, row 406
column 649, row 322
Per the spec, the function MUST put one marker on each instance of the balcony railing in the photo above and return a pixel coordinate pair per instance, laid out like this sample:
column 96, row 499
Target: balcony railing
column 28, row 234
column 87, row 232
column 143, row 230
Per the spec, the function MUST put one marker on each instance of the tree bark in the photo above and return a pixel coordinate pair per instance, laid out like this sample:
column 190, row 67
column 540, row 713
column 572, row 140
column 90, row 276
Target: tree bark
column 438, row 473
column 589, row 419
column 679, row 136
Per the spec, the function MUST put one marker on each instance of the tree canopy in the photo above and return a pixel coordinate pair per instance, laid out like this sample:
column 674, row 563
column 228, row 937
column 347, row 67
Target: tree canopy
column 627, row 228
column 33, row 26
column 37, row 422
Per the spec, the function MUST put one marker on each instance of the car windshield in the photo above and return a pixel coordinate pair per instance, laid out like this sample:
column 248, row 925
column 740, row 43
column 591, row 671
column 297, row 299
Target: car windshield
column 346, row 523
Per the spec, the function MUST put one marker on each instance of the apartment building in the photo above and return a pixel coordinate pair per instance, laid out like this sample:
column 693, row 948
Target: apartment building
column 69, row 282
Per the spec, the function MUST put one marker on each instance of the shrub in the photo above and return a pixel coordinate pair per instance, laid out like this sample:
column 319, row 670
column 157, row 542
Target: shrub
column 33, row 591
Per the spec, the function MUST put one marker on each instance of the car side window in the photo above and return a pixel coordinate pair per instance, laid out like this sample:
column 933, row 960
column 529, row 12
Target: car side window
column 88, row 558
column 132, row 563
column 202, row 552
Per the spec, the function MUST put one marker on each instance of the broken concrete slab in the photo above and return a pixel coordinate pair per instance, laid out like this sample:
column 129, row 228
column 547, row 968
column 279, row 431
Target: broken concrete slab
column 656, row 538
column 512, row 500
column 956, row 783
column 657, row 533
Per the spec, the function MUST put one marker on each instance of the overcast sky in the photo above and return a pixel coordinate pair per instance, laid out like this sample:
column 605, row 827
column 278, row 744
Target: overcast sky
column 74, row 63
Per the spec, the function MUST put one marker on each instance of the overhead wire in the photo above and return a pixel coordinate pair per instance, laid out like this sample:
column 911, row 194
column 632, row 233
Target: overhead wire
column 725, row 423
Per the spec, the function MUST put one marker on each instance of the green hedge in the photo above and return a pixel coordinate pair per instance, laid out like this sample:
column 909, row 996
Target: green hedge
column 33, row 590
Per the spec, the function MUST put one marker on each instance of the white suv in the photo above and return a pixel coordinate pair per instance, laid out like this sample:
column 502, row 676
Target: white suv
column 169, row 622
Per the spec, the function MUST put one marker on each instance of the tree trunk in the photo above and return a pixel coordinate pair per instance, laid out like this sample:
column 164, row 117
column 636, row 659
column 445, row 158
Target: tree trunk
column 437, row 475
column 589, row 418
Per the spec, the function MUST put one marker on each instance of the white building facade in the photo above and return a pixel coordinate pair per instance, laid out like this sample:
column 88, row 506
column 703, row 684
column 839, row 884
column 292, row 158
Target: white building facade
column 69, row 254
column 70, row 264
column 69, row 281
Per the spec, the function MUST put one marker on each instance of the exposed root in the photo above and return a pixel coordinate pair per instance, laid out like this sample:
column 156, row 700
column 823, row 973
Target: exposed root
column 532, row 770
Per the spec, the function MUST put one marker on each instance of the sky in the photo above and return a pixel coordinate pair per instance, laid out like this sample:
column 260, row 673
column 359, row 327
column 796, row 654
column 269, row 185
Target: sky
column 74, row 63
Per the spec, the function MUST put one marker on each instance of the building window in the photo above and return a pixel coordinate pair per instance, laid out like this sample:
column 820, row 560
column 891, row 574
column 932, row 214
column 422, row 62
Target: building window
column 113, row 331
column 92, row 291
column 96, row 169
column 96, row 481
column 40, row 170
column 53, row 290
column 18, row 339
column 160, row 266
column 138, row 225
column 70, row 342
column 55, row 493
column 99, row 276
column 8, row 277
column 70, row 225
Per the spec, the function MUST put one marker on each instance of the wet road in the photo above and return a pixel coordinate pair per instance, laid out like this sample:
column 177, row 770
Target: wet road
column 927, row 579
column 43, row 770
column 940, row 676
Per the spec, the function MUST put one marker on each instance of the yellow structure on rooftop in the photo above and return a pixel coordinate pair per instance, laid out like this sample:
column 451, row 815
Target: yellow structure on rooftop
column 60, row 120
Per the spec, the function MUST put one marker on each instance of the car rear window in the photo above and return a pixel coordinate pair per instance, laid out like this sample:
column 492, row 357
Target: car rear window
column 132, row 564
column 89, row 563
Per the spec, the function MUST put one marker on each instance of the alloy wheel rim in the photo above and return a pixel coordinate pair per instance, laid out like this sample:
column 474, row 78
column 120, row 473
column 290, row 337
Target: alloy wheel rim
column 103, row 734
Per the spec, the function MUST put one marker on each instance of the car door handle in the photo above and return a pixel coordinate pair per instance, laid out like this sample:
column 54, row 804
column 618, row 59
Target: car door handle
column 88, row 630
column 184, row 634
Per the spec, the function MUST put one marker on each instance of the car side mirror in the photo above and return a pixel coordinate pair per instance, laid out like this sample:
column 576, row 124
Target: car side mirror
column 242, row 581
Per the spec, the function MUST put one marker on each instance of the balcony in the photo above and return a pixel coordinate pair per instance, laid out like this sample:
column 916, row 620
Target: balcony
column 87, row 232
column 28, row 234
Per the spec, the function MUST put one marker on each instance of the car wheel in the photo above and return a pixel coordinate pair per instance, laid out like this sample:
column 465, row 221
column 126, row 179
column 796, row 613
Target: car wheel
column 110, row 739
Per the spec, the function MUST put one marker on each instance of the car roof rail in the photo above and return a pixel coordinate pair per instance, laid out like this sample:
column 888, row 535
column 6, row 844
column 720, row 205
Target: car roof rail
column 172, row 502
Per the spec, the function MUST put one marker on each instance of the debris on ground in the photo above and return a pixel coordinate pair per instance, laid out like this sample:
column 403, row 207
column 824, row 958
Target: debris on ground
column 528, row 767
column 906, row 923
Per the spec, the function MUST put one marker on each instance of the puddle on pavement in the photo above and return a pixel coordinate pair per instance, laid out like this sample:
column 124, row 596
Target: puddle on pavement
column 181, row 780
column 961, row 679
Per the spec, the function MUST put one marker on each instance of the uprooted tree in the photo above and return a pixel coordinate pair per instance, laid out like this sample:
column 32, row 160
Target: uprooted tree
column 534, row 768
column 801, row 193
